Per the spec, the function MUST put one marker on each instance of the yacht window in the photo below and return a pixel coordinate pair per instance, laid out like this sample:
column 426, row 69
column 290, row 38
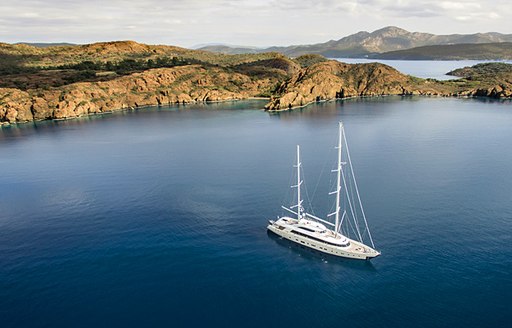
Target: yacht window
column 307, row 229
column 318, row 239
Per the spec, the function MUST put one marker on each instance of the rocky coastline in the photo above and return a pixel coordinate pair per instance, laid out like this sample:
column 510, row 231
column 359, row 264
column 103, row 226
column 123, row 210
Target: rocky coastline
column 288, row 83
column 334, row 80
column 185, row 84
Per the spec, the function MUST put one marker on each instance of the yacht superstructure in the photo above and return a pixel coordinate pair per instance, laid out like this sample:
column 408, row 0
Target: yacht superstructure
column 312, row 232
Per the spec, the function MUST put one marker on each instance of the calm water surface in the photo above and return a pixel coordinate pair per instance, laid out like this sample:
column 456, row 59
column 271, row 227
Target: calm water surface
column 435, row 69
column 157, row 217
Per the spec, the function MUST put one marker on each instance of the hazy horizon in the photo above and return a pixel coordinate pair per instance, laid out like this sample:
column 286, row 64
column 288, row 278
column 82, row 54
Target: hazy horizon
column 247, row 22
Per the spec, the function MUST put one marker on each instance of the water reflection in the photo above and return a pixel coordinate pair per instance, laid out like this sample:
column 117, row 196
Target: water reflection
column 320, row 112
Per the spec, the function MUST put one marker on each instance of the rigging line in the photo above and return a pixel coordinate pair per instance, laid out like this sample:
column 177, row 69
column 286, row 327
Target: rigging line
column 343, row 217
column 344, row 231
column 306, row 190
column 364, row 228
column 350, row 225
column 318, row 180
column 345, row 205
column 332, row 182
column 350, row 197
column 352, row 192
column 349, row 220
column 332, row 186
column 288, row 196
column 357, row 191
column 347, row 231
column 331, row 210
column 350, row 204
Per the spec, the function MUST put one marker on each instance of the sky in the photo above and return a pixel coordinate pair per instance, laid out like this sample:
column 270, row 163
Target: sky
column 261, row 23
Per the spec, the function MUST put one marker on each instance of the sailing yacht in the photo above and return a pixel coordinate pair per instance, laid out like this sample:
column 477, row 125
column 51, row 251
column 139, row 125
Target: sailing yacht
column 311, row 231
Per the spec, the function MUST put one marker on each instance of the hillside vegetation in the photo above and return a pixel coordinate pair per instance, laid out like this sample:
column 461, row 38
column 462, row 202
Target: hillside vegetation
column 499, row 71
column 71, row 81
column 334, row 80
column 483, row 51
column 25, row 67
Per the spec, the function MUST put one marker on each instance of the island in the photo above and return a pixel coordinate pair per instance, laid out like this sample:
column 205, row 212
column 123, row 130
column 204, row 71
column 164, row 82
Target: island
column 69, row 81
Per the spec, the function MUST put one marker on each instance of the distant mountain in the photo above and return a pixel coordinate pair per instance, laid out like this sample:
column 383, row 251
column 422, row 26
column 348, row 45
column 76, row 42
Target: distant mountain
column 46, row 45
column 489, row 51
column 230, row 50
column 363, row 44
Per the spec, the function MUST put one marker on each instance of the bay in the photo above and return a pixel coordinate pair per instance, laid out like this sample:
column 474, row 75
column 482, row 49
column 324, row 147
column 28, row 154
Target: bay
column 433, row 69
column 157, row 217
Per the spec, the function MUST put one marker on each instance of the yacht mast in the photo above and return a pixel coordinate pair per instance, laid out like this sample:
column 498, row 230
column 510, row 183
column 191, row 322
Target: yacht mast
column 338, row 180
column 299, row 182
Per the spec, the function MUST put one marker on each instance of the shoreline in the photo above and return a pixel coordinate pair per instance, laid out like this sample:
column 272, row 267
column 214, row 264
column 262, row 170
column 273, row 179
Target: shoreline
column 129, row 109
column 321, row 82
column 269, row 111
column 276, row 111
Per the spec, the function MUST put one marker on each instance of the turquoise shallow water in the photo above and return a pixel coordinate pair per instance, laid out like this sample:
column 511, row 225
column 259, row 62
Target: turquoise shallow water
column 158, row 216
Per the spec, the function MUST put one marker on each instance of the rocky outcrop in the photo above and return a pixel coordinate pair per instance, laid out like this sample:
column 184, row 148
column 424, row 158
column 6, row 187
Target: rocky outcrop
column 72, row 81
column 15, row 106
column 289, row 83
column 184, row 84
column 493, row 80
column 500, row 91
column 332, row 79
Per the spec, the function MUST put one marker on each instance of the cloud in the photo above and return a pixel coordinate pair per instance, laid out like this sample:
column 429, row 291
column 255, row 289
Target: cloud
column 252, row 22
column 446, row 9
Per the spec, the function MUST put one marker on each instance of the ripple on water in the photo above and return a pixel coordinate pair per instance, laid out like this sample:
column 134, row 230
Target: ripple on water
column 158, row 217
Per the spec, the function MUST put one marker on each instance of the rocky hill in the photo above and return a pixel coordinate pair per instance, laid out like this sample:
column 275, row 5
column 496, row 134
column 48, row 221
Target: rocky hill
column 334, row 80
column 25, row 58
column 73, row 81
column 484, row 71
column 494, row 79
column 364, row 43
column 182, row 84
column 475, row 51
column 27, row 67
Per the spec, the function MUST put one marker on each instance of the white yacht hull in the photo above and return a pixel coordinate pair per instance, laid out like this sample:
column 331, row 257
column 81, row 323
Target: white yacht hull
column 355, row 250
column 309, row 230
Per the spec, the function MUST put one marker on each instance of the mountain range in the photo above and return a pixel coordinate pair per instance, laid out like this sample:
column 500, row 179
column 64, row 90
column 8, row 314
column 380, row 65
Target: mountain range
column 369, row 44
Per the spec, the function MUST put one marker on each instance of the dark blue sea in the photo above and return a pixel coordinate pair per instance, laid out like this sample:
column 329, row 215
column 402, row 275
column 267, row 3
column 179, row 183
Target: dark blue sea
column 157, row 217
